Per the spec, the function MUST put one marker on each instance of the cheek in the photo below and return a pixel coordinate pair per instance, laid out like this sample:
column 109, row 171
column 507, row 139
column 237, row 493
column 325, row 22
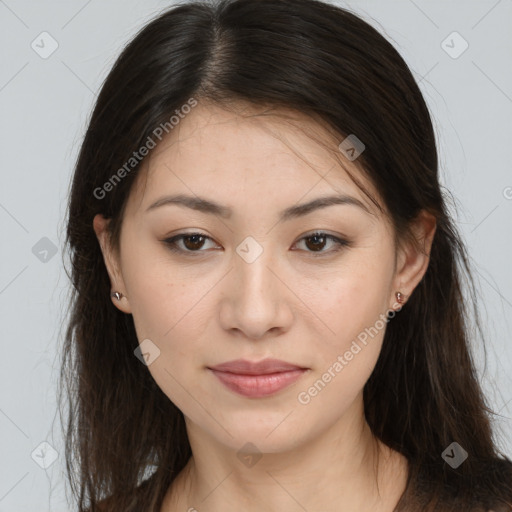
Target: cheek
column 161, row 296
column 175, row 318
column 170, row 315
column 356, row 296
column 345, row 359
column 353, row 305
column 171, row 312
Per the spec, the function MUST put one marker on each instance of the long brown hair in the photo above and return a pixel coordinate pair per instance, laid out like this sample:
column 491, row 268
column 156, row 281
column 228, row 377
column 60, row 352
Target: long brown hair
column 124, row 437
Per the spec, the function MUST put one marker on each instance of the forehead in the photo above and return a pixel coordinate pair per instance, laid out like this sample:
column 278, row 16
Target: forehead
column 221, row 152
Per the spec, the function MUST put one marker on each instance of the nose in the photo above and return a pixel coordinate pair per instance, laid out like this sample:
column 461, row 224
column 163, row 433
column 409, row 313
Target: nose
column 257, row 302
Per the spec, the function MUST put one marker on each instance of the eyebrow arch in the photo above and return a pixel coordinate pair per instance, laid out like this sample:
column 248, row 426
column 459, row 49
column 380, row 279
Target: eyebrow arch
column 206, row 206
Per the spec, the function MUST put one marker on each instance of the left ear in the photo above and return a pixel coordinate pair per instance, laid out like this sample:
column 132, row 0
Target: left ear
column 413, row 255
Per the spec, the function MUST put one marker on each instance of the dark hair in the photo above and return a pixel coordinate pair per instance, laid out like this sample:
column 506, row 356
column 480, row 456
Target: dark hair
column 327, row 63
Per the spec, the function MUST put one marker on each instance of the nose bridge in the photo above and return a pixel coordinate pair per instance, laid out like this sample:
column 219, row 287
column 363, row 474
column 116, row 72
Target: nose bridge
column 251, row 267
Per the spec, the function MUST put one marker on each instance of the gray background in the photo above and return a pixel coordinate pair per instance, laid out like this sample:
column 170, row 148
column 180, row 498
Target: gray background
column 45, row 104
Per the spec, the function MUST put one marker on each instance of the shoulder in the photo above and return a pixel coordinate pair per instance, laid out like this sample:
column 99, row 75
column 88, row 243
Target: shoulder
column 483, row 486
column 491, row 485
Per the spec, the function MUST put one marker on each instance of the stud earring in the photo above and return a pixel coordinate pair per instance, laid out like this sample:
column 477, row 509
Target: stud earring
column 117, row 295
column 399, row 297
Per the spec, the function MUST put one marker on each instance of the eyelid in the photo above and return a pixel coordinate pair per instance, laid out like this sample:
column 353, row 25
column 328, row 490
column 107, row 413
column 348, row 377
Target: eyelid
column 340, row 241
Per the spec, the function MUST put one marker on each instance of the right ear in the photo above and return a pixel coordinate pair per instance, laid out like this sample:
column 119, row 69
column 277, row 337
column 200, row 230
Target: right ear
column 111, row 260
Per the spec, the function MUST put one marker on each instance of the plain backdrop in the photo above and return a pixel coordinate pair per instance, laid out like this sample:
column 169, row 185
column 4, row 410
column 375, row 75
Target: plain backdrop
column 54, row 57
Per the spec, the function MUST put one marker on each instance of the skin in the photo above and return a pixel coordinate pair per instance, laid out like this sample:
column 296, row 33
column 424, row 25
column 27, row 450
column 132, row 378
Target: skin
column 290, row 304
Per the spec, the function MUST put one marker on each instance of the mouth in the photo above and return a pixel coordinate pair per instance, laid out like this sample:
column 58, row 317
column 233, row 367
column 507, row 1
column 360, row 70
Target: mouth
column 257, row 379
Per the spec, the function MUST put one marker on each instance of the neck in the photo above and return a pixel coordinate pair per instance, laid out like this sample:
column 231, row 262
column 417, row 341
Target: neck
column 345, row 468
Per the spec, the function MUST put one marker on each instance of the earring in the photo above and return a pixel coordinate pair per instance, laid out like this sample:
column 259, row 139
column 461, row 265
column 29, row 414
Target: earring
column 117, row 295
column 399, row 297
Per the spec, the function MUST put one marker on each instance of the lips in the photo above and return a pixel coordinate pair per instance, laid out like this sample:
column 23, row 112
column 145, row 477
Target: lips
column 257, row 379
column 244, row 367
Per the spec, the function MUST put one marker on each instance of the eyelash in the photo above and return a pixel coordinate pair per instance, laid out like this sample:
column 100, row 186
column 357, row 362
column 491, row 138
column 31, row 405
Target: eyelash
column 172, row 243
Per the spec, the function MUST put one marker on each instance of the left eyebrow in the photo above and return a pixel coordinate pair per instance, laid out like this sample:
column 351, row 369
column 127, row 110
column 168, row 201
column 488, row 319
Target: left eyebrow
column 292, row 212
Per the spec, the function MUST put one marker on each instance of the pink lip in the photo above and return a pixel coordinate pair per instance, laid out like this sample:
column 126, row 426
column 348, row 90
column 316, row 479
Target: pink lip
column 266, row 366
column 257, row 379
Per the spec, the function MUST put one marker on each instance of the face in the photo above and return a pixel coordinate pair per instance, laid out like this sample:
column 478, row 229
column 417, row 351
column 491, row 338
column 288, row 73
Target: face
column 254, row 284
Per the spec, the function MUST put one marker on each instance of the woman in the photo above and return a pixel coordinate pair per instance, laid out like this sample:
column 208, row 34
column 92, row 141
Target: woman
column 267, row 309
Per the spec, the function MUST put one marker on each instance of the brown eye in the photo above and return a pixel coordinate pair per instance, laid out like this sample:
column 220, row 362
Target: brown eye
column 192, row 242
column 316, row 242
